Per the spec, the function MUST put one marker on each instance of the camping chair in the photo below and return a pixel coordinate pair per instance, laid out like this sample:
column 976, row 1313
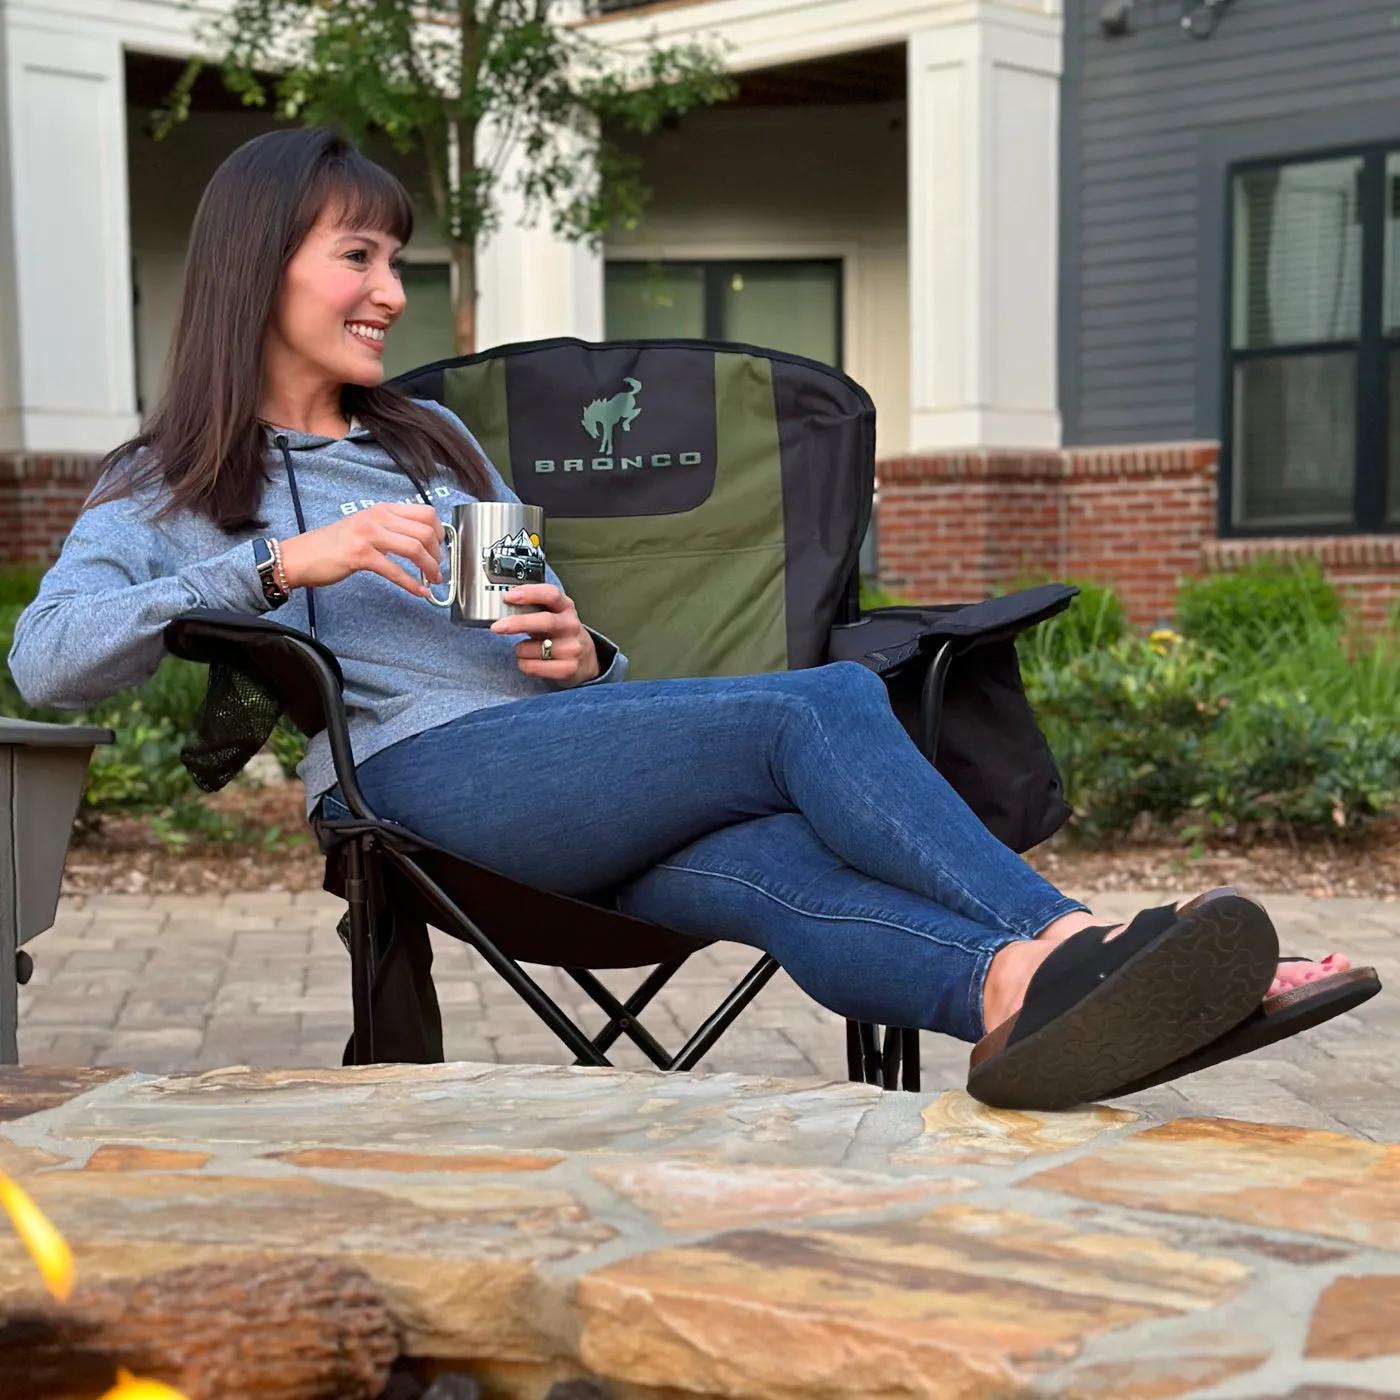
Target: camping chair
column 706, row 506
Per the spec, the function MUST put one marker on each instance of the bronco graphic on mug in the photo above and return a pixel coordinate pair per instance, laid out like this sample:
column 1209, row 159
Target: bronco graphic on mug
column 515, row 557
column 479, row 575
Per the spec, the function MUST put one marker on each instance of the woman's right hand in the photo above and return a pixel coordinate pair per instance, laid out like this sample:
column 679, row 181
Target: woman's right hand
column 364, row 541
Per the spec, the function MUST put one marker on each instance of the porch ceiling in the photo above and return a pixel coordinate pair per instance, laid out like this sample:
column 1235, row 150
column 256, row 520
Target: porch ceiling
column 872, row 75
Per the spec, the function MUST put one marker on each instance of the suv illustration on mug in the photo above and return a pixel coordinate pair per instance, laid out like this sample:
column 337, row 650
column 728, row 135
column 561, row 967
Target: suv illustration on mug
column 514, row 557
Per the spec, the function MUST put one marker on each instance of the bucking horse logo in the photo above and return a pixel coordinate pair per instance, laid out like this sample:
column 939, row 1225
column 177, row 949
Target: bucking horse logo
column 603, row 415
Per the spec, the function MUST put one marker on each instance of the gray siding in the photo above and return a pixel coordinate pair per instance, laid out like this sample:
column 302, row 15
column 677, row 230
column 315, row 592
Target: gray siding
column 1152, row 121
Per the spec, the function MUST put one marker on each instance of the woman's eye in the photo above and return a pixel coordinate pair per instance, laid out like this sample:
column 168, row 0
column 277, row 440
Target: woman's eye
column 357, row 255
column 396, row 266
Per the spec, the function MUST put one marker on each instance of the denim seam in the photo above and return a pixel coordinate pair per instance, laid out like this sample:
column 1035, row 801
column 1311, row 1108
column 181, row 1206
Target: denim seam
column 814, row 714
column 1005, row 935
column 1038, row 923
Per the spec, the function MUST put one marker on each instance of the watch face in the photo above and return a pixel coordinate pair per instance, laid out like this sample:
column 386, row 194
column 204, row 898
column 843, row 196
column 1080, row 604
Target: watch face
column 262, row 553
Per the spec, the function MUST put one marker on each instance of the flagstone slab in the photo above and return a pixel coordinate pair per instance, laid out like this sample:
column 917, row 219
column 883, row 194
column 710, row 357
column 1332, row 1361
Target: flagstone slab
column 957, row 1302
column 1156, row 1377
column 1296, row 1179
column 959, row 1129
column 1357, row 1319
column 747, row 1238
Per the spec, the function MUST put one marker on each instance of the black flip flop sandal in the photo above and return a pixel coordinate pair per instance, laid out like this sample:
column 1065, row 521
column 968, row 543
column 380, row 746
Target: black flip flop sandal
column 1277, row 1018
column 1101, row 1012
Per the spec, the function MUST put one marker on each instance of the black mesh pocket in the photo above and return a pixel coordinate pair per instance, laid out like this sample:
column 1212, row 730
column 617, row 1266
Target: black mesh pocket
column 235, row 720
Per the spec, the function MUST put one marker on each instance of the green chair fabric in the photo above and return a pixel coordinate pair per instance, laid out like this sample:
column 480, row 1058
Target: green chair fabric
column 705, row 503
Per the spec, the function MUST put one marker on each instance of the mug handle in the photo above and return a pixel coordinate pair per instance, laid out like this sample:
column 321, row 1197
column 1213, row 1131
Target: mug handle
column 453, row 545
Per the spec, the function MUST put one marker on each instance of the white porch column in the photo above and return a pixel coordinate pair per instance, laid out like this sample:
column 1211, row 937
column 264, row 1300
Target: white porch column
column 533, row 284
column 67, row 379
column 983, row 234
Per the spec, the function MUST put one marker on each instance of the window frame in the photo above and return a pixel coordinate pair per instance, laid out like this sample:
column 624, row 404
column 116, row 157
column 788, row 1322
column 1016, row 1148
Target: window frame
column 718, row 270
column 1371, row 347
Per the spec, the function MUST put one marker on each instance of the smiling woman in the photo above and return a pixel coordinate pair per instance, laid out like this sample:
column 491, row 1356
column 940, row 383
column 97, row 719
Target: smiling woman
column 790, row 811
column 292, row 284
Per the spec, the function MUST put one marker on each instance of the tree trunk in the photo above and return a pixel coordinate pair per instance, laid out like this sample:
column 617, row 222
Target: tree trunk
column 464, row 289
column 271, row 1328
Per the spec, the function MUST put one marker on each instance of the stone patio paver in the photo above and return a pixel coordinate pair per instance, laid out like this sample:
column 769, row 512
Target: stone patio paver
column 165, row 983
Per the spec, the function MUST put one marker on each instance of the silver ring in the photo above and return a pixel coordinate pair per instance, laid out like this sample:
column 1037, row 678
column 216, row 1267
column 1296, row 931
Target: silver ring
column 546, row 648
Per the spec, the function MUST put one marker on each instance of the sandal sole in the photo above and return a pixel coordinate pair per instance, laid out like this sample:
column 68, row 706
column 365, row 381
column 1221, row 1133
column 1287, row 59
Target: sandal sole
column 1198, row 980
column 1325, row 1000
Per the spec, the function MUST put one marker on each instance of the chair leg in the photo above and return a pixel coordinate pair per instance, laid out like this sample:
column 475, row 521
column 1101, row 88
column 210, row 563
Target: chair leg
column 521, row 983
column 724, row 1015
column 362, row 958
column 870, row 1053
column 638, row 1002
column 911, row 1060
column 635, row 1031
column 855, row 1057
column 890, row 1057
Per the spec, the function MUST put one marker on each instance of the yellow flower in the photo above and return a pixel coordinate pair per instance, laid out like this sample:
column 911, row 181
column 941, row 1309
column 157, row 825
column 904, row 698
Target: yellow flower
column 129, row 1387
column 36, row 1231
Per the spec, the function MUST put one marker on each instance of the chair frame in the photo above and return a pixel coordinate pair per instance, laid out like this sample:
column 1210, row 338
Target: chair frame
column 365, row 839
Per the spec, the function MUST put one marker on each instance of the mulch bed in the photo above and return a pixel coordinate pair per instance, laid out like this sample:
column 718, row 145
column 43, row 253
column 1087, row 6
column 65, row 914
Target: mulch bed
column 124, row 856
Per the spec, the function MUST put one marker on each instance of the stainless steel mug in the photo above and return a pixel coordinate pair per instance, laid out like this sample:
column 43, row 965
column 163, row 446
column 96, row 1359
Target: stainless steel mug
column 492, row 546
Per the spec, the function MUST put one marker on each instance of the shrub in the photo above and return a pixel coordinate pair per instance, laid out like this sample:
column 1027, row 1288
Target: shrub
column 141, row 771
column 18, row 585
column 1267, row 606
column 872, row 596
column 1128, row 724
column 1165, row 728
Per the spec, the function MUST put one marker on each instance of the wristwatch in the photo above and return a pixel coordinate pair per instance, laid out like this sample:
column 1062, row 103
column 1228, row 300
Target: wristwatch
column 268, row 558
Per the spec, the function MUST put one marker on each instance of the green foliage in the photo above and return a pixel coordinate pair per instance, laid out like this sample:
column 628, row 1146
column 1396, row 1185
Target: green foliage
column 872, row 596
column 141, row 771
column 289, row 747
column 1128, row 724
column 1268, row 604
column 18, row 584
column 465, row 83
column 1201, row 740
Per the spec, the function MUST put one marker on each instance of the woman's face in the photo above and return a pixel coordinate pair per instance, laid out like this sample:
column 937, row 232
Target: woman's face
column 339, row 296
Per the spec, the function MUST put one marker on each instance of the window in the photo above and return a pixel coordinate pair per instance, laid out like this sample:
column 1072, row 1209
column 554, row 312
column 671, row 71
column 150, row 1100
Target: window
column 1313, row 389
column 779, row 305
column 424, row 332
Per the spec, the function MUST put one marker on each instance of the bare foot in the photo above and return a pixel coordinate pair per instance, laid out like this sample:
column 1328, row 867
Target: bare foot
column 1295, row 974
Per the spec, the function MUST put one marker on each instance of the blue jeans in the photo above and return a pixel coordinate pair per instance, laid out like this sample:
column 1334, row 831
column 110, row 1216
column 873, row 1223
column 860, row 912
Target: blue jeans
column 790, row 812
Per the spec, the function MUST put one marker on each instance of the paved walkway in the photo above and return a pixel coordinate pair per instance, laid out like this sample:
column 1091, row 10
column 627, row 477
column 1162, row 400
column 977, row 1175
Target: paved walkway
column 164, row 983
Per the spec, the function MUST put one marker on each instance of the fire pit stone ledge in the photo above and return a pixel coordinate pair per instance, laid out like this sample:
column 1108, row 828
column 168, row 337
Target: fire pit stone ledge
column 753, row 1239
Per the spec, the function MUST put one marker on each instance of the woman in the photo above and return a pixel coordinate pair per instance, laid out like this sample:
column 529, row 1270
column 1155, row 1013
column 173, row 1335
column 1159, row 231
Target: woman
column 786, row 811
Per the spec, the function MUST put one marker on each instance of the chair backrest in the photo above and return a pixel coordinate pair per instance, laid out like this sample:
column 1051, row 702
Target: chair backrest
column 705, row 502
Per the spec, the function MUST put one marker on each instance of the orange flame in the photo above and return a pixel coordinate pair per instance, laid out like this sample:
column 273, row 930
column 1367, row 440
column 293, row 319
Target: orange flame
column 129, row 1387
column 36, row 1231
column 50, row 1252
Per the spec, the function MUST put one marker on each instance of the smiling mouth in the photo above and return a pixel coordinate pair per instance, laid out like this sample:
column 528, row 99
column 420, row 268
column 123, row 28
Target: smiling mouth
column 371, row 335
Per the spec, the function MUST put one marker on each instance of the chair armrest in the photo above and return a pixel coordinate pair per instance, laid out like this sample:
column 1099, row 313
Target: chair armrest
column 301, row 672
column 887, row 638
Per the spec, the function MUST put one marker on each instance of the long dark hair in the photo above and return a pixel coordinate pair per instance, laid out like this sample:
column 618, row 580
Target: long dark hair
column 204, row 447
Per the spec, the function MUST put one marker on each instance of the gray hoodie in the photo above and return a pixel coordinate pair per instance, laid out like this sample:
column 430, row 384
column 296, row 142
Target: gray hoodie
column 97, row 622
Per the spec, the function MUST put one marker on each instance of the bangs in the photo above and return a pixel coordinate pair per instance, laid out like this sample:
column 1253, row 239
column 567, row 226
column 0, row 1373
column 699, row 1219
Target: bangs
column 365, row 197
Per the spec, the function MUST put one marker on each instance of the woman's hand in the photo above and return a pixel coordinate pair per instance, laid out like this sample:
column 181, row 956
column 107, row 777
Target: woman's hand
column 365, row 540
column 573, row 657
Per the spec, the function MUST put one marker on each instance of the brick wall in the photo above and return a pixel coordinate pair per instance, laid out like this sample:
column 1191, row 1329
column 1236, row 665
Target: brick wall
column 40, row 497
column 961, row 525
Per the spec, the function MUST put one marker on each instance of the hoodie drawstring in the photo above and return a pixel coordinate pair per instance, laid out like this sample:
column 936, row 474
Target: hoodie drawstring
column 281, row 441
